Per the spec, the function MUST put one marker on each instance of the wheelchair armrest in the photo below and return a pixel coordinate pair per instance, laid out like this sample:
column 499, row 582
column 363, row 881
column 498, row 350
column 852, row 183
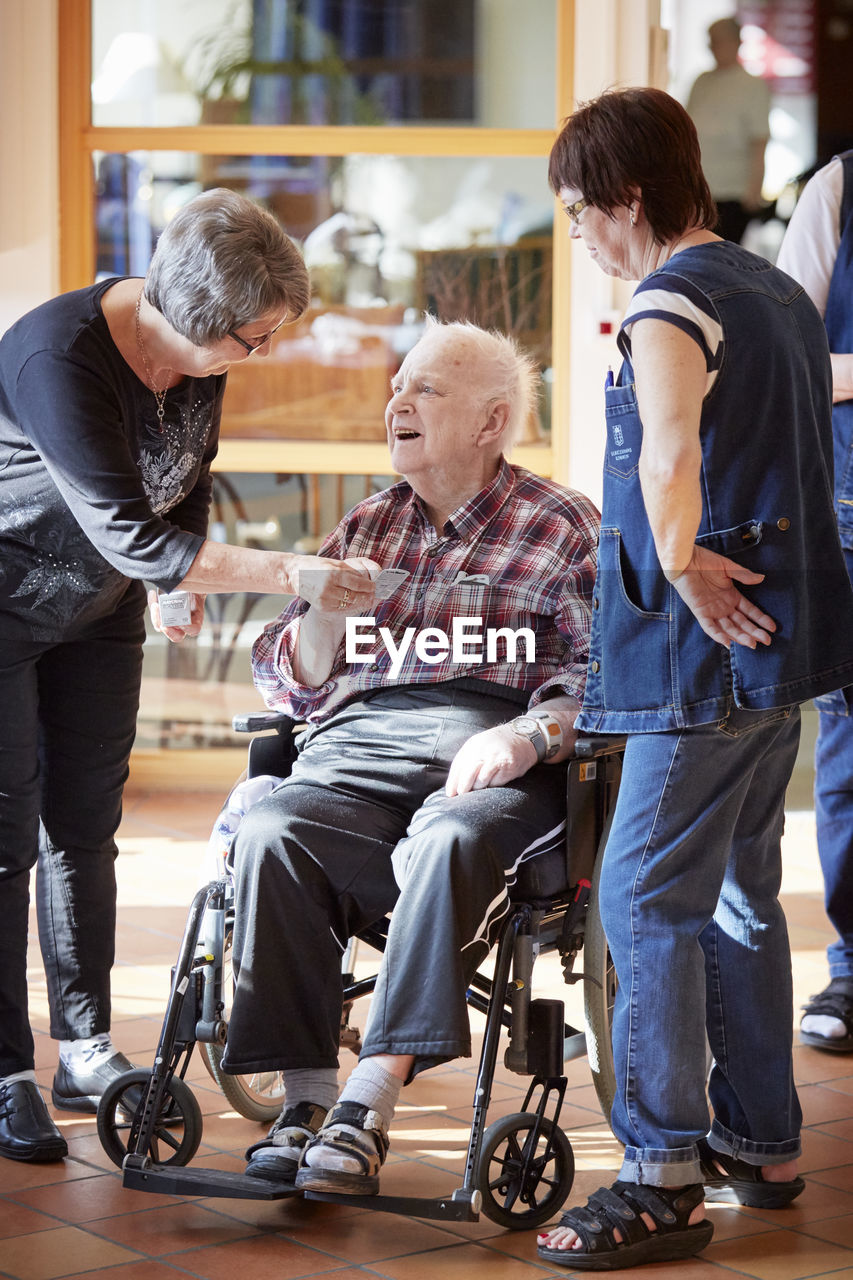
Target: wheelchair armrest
column 603, row 744
column 256, row 721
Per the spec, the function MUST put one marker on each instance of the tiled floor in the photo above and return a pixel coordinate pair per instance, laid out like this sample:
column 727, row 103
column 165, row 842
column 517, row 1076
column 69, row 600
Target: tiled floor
column 74, row 1218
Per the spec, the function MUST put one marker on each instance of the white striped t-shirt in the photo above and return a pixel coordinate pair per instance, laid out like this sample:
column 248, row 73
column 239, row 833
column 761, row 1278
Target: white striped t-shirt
column 676, row 300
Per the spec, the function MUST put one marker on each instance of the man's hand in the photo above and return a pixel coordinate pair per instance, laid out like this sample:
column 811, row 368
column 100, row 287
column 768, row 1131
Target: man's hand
column 336, row 586
column 707, row 588
column 490, row 759
column 177, row 634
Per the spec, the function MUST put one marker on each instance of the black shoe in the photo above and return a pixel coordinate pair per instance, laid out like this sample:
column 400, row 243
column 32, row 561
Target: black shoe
column 26, row 1130
column 835, row 1001
column 81, row 1090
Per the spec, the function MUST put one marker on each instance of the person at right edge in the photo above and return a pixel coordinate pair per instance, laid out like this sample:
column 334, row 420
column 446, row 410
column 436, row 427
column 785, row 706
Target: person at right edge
column 818, row 251
column 721, row 602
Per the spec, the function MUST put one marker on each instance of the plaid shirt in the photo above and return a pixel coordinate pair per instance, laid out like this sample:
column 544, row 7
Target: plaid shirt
column 533, row 541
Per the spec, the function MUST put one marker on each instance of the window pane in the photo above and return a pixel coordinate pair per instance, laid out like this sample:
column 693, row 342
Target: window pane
column 190, row 691
column 324, row 62
column 386, row 238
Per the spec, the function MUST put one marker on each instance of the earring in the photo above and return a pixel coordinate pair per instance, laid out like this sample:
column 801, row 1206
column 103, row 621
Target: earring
column 633, row 218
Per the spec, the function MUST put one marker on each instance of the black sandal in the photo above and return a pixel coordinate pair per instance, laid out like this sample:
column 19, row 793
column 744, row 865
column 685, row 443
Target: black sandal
column 614, row 1235
column 731, row 1181
column 835, row 1001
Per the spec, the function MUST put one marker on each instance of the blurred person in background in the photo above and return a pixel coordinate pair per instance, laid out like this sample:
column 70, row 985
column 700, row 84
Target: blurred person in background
column 730, row 109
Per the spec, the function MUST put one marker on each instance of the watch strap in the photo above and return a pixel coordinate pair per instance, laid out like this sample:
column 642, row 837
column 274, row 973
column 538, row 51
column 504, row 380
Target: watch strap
column 552, row 730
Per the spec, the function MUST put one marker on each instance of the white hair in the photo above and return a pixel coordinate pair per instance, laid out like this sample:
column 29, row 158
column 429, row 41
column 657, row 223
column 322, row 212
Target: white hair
column 514, row 373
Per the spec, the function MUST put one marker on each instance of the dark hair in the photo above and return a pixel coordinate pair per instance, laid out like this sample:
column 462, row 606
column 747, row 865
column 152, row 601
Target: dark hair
column 630, row 140
column 223, row 262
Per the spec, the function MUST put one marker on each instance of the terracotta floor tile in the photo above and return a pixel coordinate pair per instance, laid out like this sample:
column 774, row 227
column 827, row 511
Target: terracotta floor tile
column 841, row 1177
column 16, row 1174
column 843, row 1084
column 63, row 1252
column 145, row 1269
column 465, row 1262
column 815, row 1066
column 837, row 1128
column 18, row 1220
column 778, row 1255
column 823, row 1151
column 825, row 1104
column 87, row 1199
column 287, row 1216
column 266, row 1257
column 370, row 1237
column 837, row 1230
column 156, row 1232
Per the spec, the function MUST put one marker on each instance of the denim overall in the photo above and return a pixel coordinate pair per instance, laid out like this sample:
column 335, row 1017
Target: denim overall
column 834, row 751
column 691, row 874
column 766, row 504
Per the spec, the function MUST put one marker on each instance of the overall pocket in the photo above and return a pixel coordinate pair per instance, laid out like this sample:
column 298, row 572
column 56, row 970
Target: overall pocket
column 635, row 666
column 624, row 431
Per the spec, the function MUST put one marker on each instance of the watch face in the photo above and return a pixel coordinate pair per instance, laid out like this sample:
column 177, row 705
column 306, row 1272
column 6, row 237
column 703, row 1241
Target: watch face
column 526, row 725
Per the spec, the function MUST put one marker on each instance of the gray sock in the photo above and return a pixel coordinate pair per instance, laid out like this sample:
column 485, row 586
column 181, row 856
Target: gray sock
column 311, row 1084
column 373, row 1087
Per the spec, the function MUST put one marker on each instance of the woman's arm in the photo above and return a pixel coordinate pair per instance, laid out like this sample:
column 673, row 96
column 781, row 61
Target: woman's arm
column 218, row 567
column 670, row 374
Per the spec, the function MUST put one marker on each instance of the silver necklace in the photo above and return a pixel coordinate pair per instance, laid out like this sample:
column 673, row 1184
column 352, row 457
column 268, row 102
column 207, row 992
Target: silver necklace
column 159, row 396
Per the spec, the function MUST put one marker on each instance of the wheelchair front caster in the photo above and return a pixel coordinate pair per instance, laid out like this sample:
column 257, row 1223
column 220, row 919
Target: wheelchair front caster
column 524, row 1178
column 176, row 1129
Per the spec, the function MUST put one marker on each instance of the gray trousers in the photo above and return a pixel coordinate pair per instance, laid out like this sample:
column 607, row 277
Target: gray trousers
column 315, row 862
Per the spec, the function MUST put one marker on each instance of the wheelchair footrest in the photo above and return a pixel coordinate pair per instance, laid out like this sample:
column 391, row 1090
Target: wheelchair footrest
column 464, row 1209
column 178, row 1180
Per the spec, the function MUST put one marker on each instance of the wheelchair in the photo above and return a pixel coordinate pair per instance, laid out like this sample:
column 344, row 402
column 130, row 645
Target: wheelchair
column 519, row 1170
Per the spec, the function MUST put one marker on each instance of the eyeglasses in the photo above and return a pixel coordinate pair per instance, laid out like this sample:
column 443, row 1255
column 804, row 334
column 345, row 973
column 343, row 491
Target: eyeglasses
column 573, row 211
column 250, row 347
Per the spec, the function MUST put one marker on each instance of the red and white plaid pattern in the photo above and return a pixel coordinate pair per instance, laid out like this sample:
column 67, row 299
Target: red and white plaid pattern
column 534, row 540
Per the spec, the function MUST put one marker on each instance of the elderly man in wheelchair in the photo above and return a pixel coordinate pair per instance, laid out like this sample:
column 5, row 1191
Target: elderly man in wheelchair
column 430, row 767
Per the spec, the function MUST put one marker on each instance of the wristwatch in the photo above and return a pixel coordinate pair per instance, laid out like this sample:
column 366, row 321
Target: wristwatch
column 542, row 730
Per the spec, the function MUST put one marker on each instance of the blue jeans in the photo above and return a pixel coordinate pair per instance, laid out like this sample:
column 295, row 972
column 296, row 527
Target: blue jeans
column 834, row 814
column 689, row 904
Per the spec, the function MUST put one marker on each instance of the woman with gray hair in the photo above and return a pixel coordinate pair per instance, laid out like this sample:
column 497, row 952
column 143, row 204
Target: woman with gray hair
column 110, row 403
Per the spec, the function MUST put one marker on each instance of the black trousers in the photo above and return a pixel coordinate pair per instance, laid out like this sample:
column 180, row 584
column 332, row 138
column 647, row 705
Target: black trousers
column 67, row 725
column 360, row 828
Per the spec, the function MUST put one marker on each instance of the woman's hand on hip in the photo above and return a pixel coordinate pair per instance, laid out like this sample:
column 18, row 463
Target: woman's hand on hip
column 707, row 587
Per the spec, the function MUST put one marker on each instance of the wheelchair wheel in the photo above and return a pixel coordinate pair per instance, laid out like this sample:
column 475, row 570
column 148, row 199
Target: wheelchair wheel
column 521, row 1187
column 257, row 1096
column 177, row 1130
column 599, row 994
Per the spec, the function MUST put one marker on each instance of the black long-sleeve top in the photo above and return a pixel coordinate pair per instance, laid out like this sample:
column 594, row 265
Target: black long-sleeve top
column 92, row 493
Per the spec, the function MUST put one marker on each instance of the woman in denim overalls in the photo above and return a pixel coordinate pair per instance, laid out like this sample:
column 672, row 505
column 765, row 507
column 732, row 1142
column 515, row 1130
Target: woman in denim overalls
column 721, row 602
